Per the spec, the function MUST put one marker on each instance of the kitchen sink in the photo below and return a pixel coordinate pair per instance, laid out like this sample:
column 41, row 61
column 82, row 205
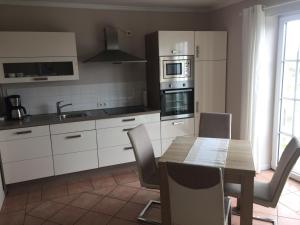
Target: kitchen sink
column 72, row 115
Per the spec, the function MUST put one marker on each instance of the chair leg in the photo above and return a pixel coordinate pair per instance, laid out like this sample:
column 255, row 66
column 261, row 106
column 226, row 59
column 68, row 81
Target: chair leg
column 236, row 212
column 141, row 215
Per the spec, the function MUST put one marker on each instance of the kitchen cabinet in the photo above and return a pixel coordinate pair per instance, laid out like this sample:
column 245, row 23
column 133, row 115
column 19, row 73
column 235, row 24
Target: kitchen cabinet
column 171, row 129
column 37, row 57
column 114, row 146
column 26, row 153
column 210, row 45
column 74, row 146
column 176, row 43
column 210, row 73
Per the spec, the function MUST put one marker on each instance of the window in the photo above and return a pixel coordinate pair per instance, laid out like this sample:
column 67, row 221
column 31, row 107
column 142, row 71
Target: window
column 288, row 86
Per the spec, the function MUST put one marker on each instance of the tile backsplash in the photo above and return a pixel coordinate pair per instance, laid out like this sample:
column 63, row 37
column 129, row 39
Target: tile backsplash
column 41, row 100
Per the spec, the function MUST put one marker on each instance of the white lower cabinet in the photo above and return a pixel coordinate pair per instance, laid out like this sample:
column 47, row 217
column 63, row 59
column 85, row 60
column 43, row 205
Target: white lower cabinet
column 114, row 146
column 171, row 129
column 26, row 154
column 74, row 162
column 28, row 169
column 76, row 149
column 43, row 151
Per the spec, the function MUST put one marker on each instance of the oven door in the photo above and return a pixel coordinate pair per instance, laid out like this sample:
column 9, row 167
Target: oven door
column 177, row 103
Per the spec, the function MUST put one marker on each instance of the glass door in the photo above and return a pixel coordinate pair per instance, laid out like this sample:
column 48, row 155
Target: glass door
column 288, row 87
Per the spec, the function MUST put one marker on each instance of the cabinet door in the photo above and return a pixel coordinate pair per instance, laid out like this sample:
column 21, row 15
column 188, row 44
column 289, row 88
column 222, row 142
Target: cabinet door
column 28, row 169
column 74, row 142
column 210, row 86
column 176, row 43
column 74, row 162
column 210, row 45
column 174, row 128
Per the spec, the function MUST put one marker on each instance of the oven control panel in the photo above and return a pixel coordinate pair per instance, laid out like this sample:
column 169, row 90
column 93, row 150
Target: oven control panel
column 176, row 85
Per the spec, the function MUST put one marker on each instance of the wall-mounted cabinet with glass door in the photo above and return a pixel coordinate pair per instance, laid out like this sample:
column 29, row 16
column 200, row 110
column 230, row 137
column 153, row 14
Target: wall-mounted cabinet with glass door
column 37, row 57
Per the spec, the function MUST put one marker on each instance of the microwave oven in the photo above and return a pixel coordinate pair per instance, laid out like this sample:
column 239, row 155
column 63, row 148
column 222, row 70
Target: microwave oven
column 176, row 68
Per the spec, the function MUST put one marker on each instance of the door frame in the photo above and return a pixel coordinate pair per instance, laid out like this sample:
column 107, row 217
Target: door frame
column 278, row 89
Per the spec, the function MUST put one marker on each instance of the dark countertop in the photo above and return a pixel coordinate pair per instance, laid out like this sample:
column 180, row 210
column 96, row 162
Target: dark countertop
column 47, row 119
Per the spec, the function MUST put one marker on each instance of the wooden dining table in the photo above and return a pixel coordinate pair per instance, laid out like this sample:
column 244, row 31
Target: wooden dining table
column 234, row 156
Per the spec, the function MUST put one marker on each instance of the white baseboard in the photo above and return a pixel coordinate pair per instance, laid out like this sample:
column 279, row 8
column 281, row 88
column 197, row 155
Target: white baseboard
column 265, row 166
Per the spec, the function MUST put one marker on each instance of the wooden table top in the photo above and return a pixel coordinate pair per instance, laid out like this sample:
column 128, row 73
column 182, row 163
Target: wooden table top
column 239, row 154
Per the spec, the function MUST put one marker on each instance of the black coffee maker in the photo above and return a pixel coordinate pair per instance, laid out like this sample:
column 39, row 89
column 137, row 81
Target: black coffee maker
column 15, row 111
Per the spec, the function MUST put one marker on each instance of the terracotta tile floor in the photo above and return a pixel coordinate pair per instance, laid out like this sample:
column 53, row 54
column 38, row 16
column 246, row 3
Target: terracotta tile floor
column 110, row 196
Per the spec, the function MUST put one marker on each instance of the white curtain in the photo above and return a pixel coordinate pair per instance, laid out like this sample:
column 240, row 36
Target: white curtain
column 258, row 79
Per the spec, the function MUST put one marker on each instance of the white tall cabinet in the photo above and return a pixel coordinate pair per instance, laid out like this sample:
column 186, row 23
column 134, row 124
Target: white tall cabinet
column 210, row 72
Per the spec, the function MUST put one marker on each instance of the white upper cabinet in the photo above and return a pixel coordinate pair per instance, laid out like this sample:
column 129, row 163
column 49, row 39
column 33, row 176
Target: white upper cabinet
column 176, row 43
column 37, row 57
column 37, row 44
column 210, row 45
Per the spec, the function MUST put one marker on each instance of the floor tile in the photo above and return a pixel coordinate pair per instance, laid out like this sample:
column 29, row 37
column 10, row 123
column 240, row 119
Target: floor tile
column 126, row 178
column 66, row 199
column 104, row 190
column 17, row 189
column 264, row 210
column 284, row 211
column 86, row 200
column 46, row 209
column 30, row 220
column 50, row 223
column 293, row 185
column 54, row 192
column 68, row 215
column 144, row 196
column 79, row 187
column 116, row 221
column 123, row 192
column 54, row 182
column 103, row 181
column 32, row 205
column 15, row 218
column 35, row 196
column 291, row 200
column 130, row 211
column 14, row 203
column 135, row 184
column 109, row 206
column 93, row 218
column 287, row 221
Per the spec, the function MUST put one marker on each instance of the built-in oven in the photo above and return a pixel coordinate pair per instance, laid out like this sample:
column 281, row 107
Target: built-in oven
column 177, row 103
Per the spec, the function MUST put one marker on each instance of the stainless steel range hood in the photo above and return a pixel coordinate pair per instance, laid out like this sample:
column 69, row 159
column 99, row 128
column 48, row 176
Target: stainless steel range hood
column 112, row 52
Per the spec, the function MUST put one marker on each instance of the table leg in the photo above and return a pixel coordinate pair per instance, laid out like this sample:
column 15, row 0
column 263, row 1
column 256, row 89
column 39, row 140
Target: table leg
column 164, row 195
column 246, row 200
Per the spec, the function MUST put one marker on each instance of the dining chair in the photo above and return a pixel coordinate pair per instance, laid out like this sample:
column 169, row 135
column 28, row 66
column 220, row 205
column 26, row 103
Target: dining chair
column 215, row 125
column 146, row 165
column 268, row 194
column 195, row 195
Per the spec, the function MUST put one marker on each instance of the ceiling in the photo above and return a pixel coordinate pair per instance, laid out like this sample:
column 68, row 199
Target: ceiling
column 184, row 5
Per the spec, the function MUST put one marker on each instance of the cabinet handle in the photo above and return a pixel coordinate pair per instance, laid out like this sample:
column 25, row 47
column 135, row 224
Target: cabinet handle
column 197, row 51
column 173, row 51
column 177, row 123
column 127, row 129
column 23, row 132
column 73, row 136
column 127, row 148
column 127, row 120
column 40, row 78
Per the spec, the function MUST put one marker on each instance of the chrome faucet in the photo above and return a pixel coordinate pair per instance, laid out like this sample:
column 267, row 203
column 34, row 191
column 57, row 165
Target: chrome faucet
column 59, row 107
